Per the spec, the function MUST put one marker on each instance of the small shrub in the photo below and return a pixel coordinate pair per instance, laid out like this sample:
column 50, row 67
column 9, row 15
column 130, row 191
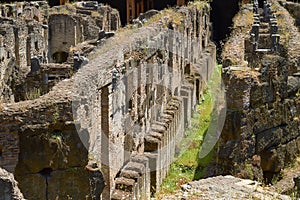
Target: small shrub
column 33, row 94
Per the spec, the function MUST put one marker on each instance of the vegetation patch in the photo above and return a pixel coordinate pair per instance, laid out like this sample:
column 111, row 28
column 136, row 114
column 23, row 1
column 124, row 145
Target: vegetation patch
column 188, row 166
column 200, row 4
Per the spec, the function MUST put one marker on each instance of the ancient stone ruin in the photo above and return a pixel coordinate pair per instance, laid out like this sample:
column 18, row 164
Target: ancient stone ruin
column 261, row 70
column 41, row 142
column 90, row 110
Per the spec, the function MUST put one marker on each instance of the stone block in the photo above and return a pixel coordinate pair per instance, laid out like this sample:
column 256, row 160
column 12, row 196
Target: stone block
column 269, row 138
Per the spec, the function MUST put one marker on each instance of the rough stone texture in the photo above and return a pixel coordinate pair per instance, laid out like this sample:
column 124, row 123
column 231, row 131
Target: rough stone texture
column 9, row 187
column 225, row 187
column 22, row 37
column 154, row 140
column 48, row 152
column 156, row 71
column 261, row 133
column 70, row 26
column 26, row 29
column 38, row 139
column 293, row 9
column 41, row 82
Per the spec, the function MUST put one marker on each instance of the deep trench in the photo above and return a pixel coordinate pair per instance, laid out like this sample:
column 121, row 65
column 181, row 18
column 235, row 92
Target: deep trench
column 222, row 13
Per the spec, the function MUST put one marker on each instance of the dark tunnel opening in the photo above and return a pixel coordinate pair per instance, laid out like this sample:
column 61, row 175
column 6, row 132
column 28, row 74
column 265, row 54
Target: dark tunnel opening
column 222, row 13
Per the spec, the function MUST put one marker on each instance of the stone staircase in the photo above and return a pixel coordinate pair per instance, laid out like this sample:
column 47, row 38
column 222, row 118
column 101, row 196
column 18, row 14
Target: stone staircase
column 264, row 37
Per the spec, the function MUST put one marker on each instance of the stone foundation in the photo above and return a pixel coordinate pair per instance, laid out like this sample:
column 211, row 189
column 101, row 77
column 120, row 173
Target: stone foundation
column 144, row 84
column 261, row 133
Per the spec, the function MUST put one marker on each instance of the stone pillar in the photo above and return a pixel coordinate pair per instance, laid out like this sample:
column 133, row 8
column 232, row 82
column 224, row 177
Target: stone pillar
column 105, row 140
column 275, row 42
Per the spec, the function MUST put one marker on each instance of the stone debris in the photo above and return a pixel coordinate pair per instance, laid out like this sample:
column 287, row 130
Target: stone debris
column 225, row 187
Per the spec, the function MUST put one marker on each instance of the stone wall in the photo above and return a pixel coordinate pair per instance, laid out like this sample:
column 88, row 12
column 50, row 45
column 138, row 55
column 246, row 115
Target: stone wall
column 69, row 26
column 146, row 96
column 64, row 33
column 41, row 142
column 144, row 86
column 261, row 133
column 293, row 9
column 40, row 82
column 24, row 36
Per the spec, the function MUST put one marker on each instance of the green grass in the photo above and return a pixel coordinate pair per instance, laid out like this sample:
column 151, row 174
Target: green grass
column 188, row 166
column 183, row 169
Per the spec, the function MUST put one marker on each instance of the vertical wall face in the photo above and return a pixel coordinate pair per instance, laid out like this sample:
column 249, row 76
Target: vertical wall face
column 120, row 6
column 261, row 133
column 51, row 155
column 147, row 100
column 8, row 186
column 132, row 128
column 68, row 30
column 9, row 149
column 7, row 63
column 62, row 35
column 48, row 152
column 22, row 37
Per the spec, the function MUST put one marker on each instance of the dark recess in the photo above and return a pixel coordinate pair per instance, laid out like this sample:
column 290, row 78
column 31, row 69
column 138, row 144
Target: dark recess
column 261, row 3
column 46, row 172
column 54, row 3
column 222, row 14
column 1, row 152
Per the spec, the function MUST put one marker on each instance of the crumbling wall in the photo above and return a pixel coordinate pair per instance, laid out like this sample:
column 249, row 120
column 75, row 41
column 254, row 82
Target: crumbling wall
column 44, row 148
column 143, row 86
column 261, row 133
column 8, row 65
column 293, row 9
column 63, row 34
column 71, row 26
column 41, row 81
column 22, row 37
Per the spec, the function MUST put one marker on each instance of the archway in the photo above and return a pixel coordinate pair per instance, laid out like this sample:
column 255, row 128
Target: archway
column 60, row 57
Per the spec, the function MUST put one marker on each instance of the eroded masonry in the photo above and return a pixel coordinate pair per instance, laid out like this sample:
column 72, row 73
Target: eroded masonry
column 144, row 85
column 88, row 108
column 261, row 66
